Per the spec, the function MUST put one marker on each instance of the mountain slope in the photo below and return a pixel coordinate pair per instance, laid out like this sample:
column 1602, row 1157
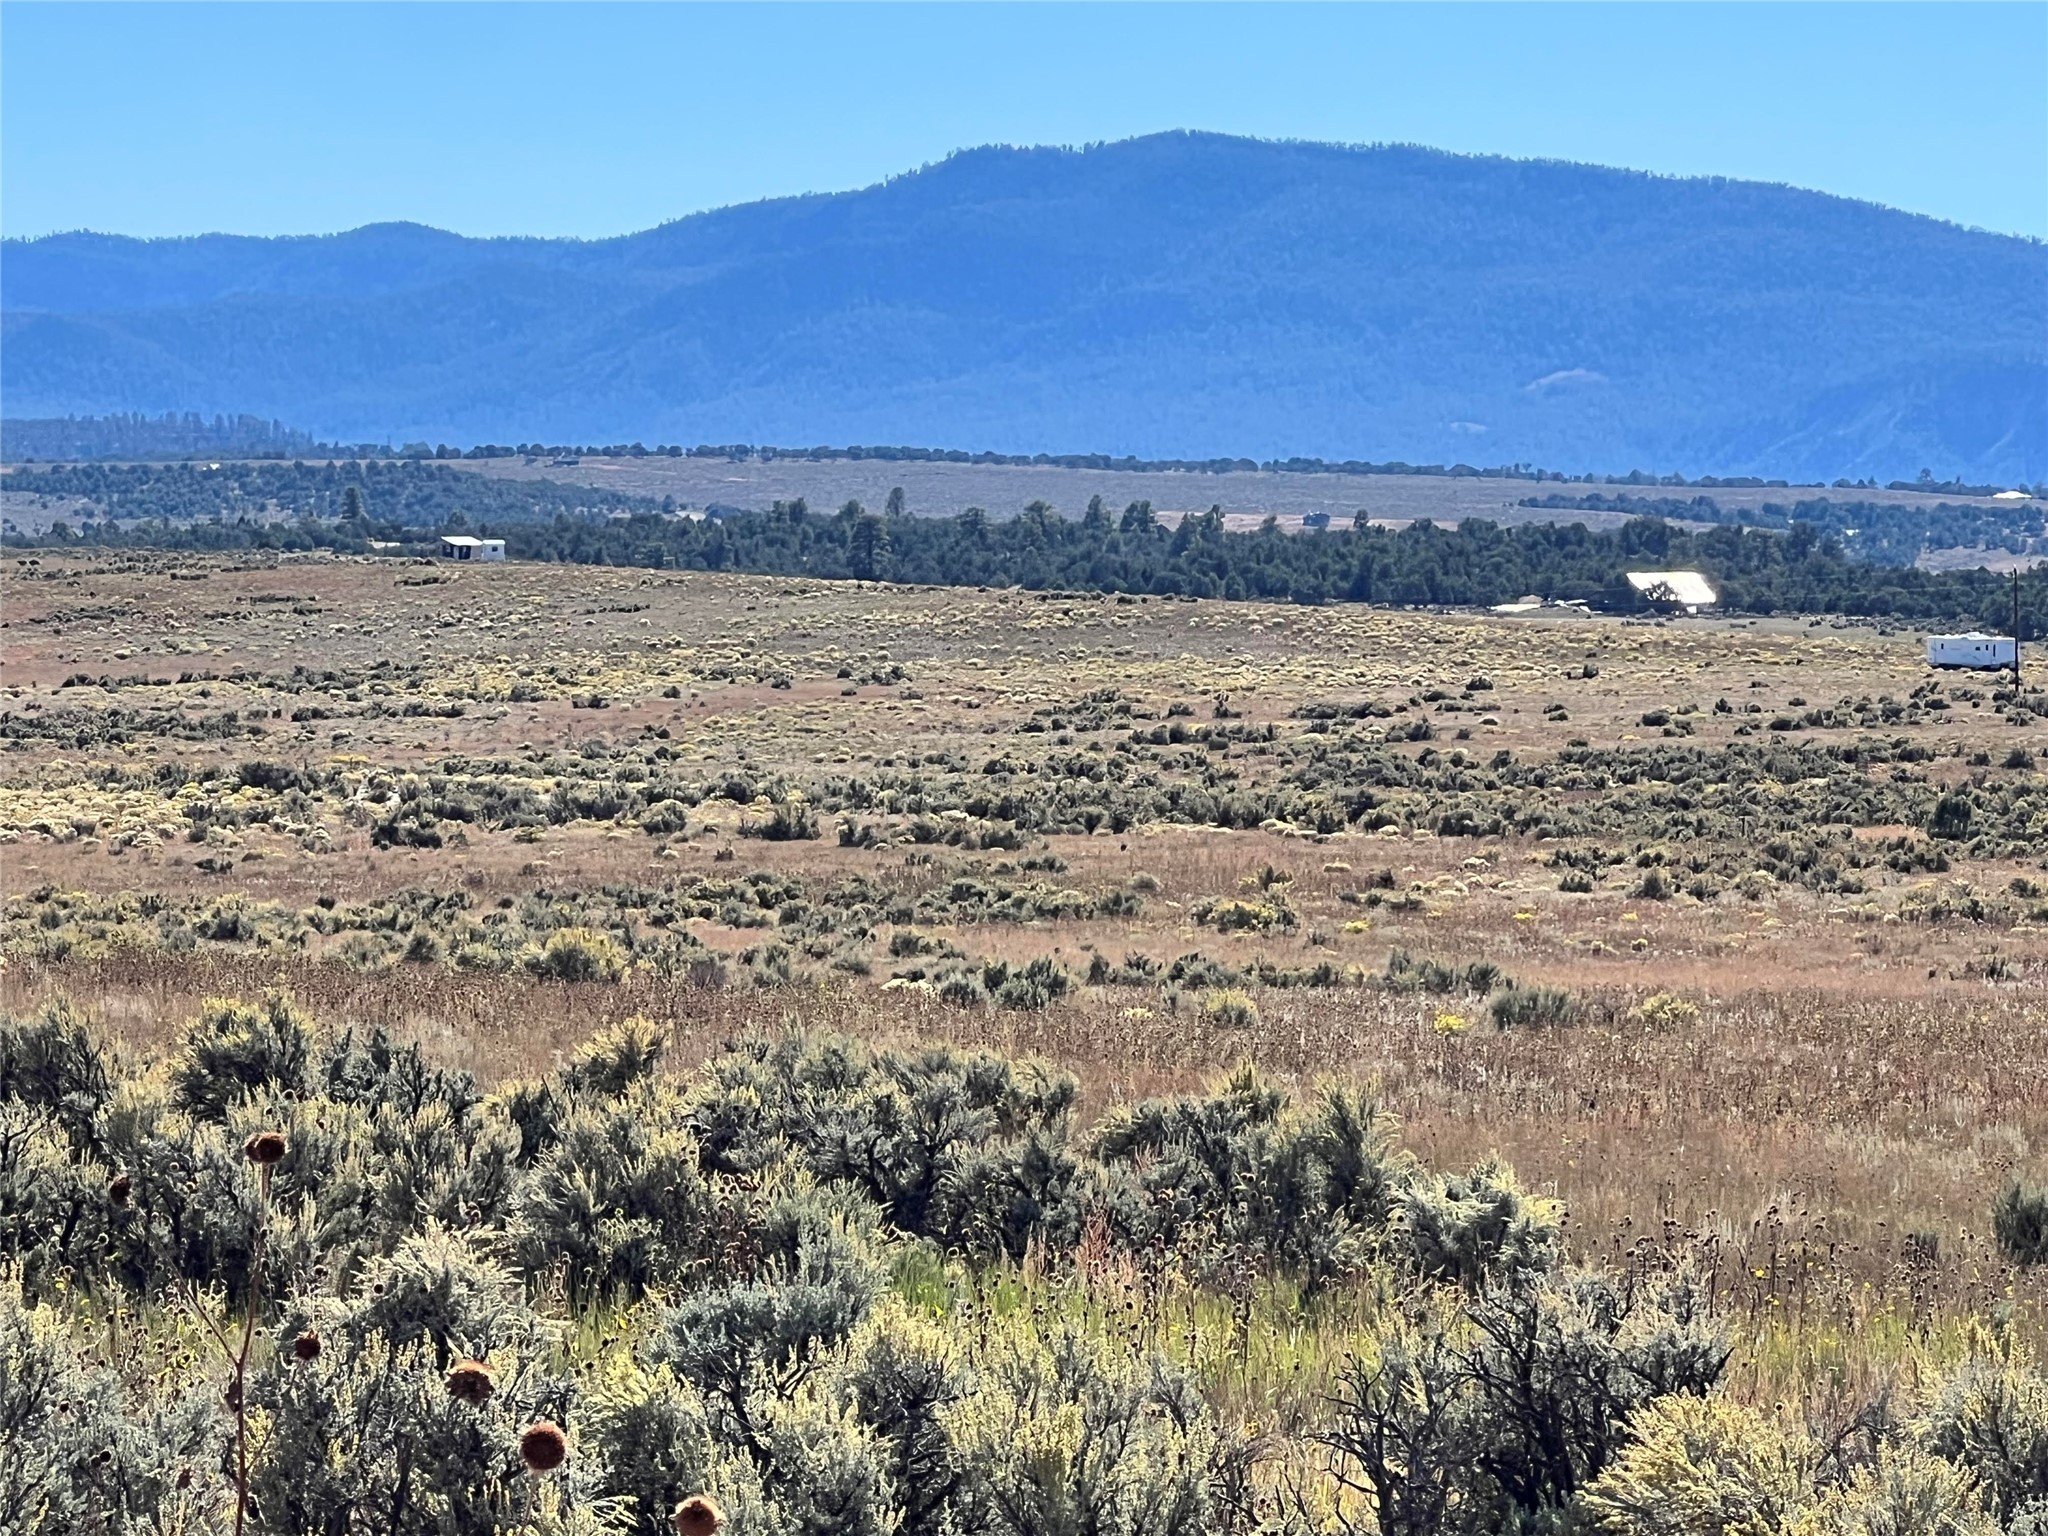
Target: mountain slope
column 1176, row 295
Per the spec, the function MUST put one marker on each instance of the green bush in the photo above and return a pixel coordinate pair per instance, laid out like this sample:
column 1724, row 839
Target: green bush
column 1478, row 1228
column 1228, row 1008
column 665, row 818
column 1065, row 1434
column 1904, row 1490
column 1496, row 1410
column 1705, row 1465
column 1531, row 1008
column 615, row 1203
column 365, row 1434
column 233, row 1051
column 1989, row 1416
column 50, row 1063
column 579, row 954
column 615, row 1059
column 1240, row 1172
column 2019, row 1220
column 788, row 821
column 84, row 1451
column 814, row 1279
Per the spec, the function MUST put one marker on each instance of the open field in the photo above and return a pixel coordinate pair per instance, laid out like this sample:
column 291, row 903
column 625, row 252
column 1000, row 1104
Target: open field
column 1247, row 497
column 1733, row 936
column 1871, row 1046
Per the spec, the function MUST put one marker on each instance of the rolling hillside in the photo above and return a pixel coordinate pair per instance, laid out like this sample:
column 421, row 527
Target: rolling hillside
column 1182, row 294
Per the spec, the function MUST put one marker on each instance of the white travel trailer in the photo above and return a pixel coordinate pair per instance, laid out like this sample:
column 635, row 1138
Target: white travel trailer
column 1973, row 650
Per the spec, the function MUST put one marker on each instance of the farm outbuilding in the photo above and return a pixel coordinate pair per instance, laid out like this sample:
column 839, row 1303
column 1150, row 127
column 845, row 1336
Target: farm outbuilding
column 1973, row 650
column 1681, row 589
column 461, row 546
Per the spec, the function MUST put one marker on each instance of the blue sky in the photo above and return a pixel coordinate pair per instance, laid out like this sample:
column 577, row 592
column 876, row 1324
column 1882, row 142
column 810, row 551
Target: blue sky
column 590, row 119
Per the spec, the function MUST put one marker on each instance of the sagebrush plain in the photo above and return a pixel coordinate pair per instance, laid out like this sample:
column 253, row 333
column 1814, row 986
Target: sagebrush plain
column 1730, row 937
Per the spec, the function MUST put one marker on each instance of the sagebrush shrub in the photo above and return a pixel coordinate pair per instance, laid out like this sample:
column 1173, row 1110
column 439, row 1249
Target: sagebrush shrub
column 653, row 1438
column 965, row 1147
column 1990, row 1417
column 1904, row 1490
column 1478, row 1227
column 234, row 1050
column 1465, row 1417
column 2019, row 1220
column 1066, row 1434
column 616, row 1203
column 1707, row 1465
column 1230, row 1009
column 82, row 1450
column 369, row 1431
column 1666, row 1010
column 51, row 1064
column 579, row 954
column 1240, row 1172
column 1531, row 1007
column 613, row 1060
column 904, row 1375
column 438, row 1287
column 815, row 1278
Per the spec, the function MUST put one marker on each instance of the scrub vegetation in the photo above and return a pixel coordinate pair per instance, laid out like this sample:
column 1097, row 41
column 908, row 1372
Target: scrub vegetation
column 578, row 1049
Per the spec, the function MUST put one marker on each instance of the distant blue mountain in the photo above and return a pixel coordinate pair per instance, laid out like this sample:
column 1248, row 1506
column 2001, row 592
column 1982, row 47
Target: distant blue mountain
column 1183, row 295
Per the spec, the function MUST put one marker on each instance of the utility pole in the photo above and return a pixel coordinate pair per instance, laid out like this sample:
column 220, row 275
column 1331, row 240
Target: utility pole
column 2015, row 629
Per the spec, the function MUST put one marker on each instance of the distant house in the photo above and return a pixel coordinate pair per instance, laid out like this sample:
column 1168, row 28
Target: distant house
column 1679, row 589
column 460, row 546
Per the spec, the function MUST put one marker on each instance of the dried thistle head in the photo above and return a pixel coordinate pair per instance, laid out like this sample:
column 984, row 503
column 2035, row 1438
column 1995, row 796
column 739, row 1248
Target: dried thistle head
column 119, row 1188
column 471, row 1382
column 265, row 1148
column 543, row 1447
column 306, row 1346
column 698, row 1515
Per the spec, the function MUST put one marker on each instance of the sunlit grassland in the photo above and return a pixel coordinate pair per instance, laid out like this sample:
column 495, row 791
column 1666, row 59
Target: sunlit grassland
column 1864, row 1068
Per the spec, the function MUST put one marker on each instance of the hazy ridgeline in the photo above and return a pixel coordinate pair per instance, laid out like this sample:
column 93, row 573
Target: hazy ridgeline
column 1174, row 296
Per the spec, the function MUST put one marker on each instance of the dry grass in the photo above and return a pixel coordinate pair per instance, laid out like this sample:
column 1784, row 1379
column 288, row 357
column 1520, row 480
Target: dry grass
column 1827, row 1133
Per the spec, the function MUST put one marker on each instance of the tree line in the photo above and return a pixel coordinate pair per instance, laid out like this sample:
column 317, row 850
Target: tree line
column 1884, row 532
column 125, row 435
column 408, row 493
column 1800, row 570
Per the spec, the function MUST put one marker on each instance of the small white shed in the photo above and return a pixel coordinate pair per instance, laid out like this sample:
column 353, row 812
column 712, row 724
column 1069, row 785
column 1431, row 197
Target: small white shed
column 1972, row 650
column 461, row 546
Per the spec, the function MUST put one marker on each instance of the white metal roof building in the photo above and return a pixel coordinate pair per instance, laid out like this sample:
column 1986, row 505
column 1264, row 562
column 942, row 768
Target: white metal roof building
column 1685, row 589
column 461, row 546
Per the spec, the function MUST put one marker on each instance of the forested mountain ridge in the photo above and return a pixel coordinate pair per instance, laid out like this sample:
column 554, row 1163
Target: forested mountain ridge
column 1183, row 294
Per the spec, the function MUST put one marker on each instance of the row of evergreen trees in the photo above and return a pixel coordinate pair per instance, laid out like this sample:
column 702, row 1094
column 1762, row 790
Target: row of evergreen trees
column 1797, row 571
column 1422, row 564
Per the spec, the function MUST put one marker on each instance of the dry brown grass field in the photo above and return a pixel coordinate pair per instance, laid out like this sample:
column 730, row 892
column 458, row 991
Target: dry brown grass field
column 1246, row 496
column 1801, row 1027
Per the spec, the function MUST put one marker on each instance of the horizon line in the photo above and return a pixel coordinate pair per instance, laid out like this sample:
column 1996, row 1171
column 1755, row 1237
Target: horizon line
column 1084, row 148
